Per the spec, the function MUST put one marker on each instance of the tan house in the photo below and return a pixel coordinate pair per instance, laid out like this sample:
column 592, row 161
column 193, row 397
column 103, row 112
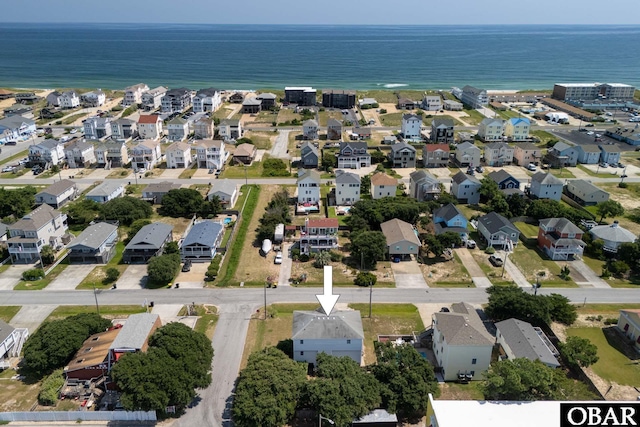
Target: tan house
column 383, row 185
column 402, row 240
column 203, row 128
column 629, row 324
column 525, row 153
column 244, row 153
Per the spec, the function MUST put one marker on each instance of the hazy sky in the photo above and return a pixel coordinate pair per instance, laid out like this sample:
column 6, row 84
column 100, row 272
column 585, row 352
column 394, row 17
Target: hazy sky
column 410, row 12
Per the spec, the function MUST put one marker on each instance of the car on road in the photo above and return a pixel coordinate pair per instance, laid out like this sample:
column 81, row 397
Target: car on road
column 496, row 260
column 532, row 167
column 589, row 125
column 278, row 258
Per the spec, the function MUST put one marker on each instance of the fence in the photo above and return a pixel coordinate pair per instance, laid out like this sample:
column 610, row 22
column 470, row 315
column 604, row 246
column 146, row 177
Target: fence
column 74, row 416
column 568, row 200
column 223, row 250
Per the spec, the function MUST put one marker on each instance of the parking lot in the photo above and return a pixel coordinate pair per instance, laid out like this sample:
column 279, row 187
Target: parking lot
column 581, row 138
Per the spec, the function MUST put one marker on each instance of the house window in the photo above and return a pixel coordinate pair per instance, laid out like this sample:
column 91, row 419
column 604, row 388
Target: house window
column 302, row 353
column 474, row 361
column 348, row 341
column 301, row 341
column 473, row 373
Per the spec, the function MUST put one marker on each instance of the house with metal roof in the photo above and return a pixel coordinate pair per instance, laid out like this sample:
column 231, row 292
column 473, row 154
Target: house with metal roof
column 517, row 338
column 319, row 235
column 202, row 241
column 402, row 238
column 106, row 191
column 424, row 186
column 95, row 245
column 612, row 235
column 545, row 186
column 585, row 193
column 461, row 343
column 134, row 335
column 58, row 194
column 147, row 243
column 560, row 239
column 226, row 191
column 517, row 129
column 497, row 230
column 466, row 188
column 449, row 218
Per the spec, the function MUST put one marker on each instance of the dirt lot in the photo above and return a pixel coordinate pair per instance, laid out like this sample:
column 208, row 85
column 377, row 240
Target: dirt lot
column 444, row 271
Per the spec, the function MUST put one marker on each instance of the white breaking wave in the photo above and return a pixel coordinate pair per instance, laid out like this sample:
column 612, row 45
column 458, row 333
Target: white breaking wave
column 390, row 85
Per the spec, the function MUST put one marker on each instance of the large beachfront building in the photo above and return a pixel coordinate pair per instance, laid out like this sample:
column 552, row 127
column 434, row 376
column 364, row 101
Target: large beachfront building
column 592, row 91
column 305, row 96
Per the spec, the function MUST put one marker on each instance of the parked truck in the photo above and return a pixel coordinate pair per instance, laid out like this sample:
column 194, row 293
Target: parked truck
column 278, row 235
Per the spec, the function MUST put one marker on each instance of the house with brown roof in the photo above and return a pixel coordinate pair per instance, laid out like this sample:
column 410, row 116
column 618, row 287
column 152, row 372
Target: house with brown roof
column 58, row 194
column 525, row 153
column 383, row 185
column 156, row 191
column 244, row 153
column 150, row 126
column 319, row 235
column 402, row 240
column 435, row 155
column 91, row 361
column 406, row 104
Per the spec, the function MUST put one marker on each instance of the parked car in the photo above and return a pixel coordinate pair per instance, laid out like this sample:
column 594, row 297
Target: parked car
column 278, row 258
column 471, row 244
column 187, row 266
column 479, row 169
column 589, row 125
column 620, row 165
column 532, row 167
column 604, row 165
column 496, row 260
column 7, row 169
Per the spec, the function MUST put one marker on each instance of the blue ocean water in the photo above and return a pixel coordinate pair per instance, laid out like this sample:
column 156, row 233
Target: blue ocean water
column 356, row 57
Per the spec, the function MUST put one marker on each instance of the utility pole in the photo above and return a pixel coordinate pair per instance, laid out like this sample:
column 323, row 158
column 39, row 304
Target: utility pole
column 265, row 300
column 370, row 296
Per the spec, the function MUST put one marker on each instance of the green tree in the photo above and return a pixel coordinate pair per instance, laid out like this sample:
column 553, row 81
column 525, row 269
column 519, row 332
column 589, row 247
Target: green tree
column 579, row 351
column 517, row 204
column 135, row 227
column 368, row 247
column 82, row 212
column 630, row 254
column 377, row 156
column 365, row 184
column 522, row 379
column 449, row 239
column 560, row 309
column 322, row 258
column 126, row 210
column 162, row 269
column 408, row 377
column 342, row 390
column 268, row 390
column 329, row 161
column 433, row 244
column 181, row 202
column 171, row 248
column 112, row 275
column 488, row 189
column 17, row 202
column 609, row 208
column 48, row 255
column 365, row 279
column 507, row 302
column 499, row 205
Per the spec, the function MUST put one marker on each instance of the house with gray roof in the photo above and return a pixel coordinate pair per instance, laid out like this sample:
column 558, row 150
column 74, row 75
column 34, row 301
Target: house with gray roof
column 334, row 129
column 545, row 186
column 585, row 193
column 353, row 155
column 251, row 105
column 562, row 155
column 424, row 186
column 347, row 189
column 560, row 239
column 226, row 191
column 147, row 243
column 268, row 100
column 612, row 235
column 467, row 154
column 610, row 154
column 442, row 131
column 588, row 154
column 402, row 238
column 497, row 230
column 507, row 183
column 517, row 338
column 177, row 129
column 466, row 188
column 402, row 155
column 58, row 194
column 449, row 218
column 461, row 343
column 134, row 335
column 106, row 191
column 11, row 341
column 202, row 241
column 79, row 154
column 95, row 245
column 156, row 191
column 310, row 129
column 42, row 226
column 498, row 154
column 309, row 155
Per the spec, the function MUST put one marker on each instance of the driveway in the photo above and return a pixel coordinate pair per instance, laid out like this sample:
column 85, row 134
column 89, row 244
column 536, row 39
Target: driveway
column 407, row 274
column 477, row 275
column 193, row 278
column 134, row 277
column 515, row 273
column 591, row 279
column 12, row 276
column 281, row 145
column 285, row 267
column 31, row 316
column 172, row 173
column 70, row 277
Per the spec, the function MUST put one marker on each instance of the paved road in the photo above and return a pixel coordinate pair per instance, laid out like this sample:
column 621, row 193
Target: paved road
column 281, row 147
column 214, row 408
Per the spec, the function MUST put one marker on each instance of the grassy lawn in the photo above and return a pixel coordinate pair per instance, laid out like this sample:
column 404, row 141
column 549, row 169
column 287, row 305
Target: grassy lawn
column 188, row 173
column 120, row 173
column 206, row 324
column 40, row 284
column 612, row 365
column 239, row 171
column 265, row 117
column 5, row 267
column 262, row 140
column 224, row 110
column 108, row 311
column 531, row 261
column 442, row 273
column 596, row 265
column 333, row 214
column 391, row 119
column 528, row 230
column 386, row 319
column 7, row 312
column 250, row 194
column 98, row 274
column 456, row 391
column 506, row 114
column 16, row 395
column 606, row 309
column 562, row 173
column 287, row 115
column 72, row 118
column 606, row 173
column 134, row 190
column 16, row 156
column 324, row 116
column 475, row 117
column 543, row 136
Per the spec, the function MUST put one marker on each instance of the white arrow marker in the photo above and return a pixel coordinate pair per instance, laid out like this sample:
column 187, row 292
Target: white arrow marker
column 328, row 300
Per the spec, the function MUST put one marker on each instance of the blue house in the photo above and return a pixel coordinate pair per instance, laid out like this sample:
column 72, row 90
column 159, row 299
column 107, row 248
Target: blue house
column 450, row 218
column 507, row 183
column 610, row 154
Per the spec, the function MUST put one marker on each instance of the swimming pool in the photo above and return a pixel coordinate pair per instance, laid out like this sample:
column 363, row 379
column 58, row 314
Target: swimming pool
column 226, row 221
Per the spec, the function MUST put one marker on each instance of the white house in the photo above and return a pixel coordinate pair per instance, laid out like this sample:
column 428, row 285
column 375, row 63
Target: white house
column 431, row 103
column 517, row 129
column 178, row 155
column 46, row 154
column 15, row 128
column 152, row 98
column 319, row 235
column 123, row 129
column 347, row 188
column 383, row 185
column 310, row 129
column 145, row 155
column 230, row 129
column 150, row 126
column 69, row 99
column 353, row 155
column 629, row 324
column 40, row 227
column 546, row 186
column 498, row 154
column 226, row 191
column 491, row 129
column 133, row 94
column 411, row 126
column 58, row 193
column 207, row 100
column 211, row 154
column 612, row 235
column 94, row 98
column 79, row 154
column 308, row 186
column 106, row 191
column 11, row 342
column 519, row 339
column 467, row 154
column 461, row 344
column 202, row 241
column 97, row 127
column 473, row 97
column 177, row 129
column 466, row 188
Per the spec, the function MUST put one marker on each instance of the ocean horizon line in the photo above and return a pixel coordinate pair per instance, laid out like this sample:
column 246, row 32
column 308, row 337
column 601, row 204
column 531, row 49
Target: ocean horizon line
column 120, row 23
